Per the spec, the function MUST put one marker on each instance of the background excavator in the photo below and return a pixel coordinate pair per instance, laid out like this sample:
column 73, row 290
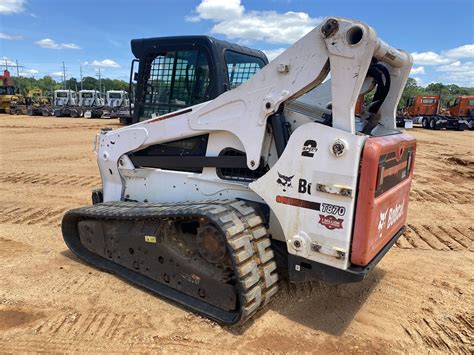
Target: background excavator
column 9, row 95
column 238, row 172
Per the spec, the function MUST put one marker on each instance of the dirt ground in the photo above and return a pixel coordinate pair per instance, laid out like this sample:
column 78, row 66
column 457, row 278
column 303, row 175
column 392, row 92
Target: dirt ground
column 419, row 299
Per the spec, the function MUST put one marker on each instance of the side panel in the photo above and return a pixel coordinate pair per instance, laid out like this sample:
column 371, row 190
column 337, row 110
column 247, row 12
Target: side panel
column 384, row 188
column 311, row 190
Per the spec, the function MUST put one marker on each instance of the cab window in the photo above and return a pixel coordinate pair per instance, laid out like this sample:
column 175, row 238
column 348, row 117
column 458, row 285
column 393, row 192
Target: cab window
column 241, row 67
column 427, row 101
column 177, row 79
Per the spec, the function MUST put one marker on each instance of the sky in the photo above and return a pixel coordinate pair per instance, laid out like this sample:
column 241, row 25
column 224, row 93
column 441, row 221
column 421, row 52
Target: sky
column 42, row 34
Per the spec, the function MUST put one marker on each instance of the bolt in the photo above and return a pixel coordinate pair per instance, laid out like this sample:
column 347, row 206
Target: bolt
column 338, row 147
column 329, row 28
column 268, row 105
column 297, row 244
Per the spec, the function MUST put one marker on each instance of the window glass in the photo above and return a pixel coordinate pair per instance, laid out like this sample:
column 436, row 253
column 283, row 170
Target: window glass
column 115, row 95
column 86, row 95
column 7, row 90
column 470, row 102
column 241, row 67
column 427, row 101
column 61, row 94
column 177, row 79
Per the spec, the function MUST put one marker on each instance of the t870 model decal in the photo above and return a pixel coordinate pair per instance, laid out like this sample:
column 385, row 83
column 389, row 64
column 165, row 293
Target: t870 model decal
column 333, row 209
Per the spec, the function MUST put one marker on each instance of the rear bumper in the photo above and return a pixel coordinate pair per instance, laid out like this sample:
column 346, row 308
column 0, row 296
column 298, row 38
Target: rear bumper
column 302, row 270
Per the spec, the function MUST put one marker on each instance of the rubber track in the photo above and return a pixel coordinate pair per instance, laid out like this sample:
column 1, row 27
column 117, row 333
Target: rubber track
column 248, row 245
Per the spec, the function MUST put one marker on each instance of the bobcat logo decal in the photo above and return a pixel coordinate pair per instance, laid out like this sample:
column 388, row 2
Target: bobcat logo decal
column 394, row 214
column 284, row 181
column 382, row 218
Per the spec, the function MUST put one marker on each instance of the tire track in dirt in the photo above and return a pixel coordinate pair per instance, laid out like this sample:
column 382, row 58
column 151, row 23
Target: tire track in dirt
column 102, row 324
column 49, row 179
column 437, row 237
column 43, row 216
column 449, row 197
column 453, row 334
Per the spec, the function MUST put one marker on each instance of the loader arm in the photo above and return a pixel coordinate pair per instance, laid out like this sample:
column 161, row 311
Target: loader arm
column 344, row 47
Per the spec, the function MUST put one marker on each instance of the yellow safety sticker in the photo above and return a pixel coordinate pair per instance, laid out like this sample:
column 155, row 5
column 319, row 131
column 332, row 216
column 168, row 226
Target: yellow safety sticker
column 150, row 239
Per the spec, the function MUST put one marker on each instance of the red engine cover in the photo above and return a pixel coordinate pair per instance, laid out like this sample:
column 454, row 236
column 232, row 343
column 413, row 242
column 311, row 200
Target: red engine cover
column 384, row 189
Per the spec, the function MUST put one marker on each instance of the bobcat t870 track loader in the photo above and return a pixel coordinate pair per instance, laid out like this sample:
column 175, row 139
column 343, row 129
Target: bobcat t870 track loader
column 210, row 205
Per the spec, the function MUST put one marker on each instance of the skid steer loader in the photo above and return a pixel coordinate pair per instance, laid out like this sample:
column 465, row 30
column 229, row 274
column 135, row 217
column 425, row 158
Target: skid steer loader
column 210, row 205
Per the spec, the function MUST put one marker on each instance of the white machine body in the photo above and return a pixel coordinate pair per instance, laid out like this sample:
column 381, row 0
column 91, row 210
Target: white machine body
column 320, row 164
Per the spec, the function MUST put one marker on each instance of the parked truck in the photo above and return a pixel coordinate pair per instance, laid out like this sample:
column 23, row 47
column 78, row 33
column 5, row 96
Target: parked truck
column 117, row 103
column 65, row 103
column 463, row 107
column 91, row 103
column 426, row 110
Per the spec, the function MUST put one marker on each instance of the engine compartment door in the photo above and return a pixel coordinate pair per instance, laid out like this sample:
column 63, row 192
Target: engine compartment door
column 384, row 189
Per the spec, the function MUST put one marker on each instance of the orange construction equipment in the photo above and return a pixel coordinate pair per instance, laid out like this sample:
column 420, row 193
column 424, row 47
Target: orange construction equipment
column 463, row 106
column 426, row 109
column 420, row 105
column 6, row 78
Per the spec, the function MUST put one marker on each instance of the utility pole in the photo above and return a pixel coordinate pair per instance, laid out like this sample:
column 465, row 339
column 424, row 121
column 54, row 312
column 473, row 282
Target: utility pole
column 18, row 76
column 80, row 71
column 100, row 82
column 64, row 76
column 6, row 64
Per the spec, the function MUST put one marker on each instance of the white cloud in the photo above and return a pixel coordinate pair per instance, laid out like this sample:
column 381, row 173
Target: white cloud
column 273, row 53
column 29, row 72
column 52, row 44
column 429, row 58
column 233, row 21
column 461, row 73
column 8, row 7
column 106, row 63
column 445, row 57
column 219, row 10
column 456, row 66
column 419, row 81
column 57, row 74
column 419, row 70
column 69, row 46
column 7, row 61
column 466, row 51
column 10, row 37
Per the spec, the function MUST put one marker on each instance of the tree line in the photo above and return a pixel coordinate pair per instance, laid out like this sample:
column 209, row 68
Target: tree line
column 447, row 92
column 47, row 84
